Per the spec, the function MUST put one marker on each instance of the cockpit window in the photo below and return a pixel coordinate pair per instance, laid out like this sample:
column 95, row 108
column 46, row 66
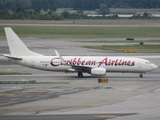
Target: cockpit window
column 148, row 62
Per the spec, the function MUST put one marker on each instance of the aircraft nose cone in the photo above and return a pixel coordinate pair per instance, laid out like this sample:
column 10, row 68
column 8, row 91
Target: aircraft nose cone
column 154, row 66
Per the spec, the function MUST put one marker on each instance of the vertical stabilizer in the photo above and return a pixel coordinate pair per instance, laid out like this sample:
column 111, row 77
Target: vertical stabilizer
column 16, row 46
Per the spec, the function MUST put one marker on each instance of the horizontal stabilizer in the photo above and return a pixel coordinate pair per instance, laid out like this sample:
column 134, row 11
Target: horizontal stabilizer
column 12, row 57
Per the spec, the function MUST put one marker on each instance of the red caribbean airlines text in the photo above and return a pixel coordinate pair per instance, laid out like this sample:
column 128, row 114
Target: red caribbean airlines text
column 106, row 61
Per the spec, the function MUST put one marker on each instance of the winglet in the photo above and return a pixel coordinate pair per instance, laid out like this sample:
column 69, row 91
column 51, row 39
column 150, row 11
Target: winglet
column 62, row 60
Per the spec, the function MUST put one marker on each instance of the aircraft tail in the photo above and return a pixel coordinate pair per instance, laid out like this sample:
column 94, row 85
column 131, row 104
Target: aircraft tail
column 16, row 46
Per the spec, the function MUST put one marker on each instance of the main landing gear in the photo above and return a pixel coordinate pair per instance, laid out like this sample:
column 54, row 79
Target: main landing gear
column 140, row 75
column 80, row 75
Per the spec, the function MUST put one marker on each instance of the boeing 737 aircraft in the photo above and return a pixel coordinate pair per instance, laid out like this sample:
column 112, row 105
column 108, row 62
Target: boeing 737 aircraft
column 94, row 65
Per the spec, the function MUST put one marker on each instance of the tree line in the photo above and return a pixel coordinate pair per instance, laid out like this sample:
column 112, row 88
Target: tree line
column 46, row 9
column 77, row 4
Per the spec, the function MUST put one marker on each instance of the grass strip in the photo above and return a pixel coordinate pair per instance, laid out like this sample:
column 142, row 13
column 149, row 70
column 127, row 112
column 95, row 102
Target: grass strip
column 51, row 83
column 84, row 21
column 121, row 41
column 25, row 82
column 84, row 31
column 14, row 73
column 135, row 48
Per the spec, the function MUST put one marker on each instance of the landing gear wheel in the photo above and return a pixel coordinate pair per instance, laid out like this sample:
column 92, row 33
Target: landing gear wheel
column 80, row 75
column 141, row 75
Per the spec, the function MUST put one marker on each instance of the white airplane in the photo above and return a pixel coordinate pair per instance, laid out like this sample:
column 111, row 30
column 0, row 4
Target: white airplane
column 94, row 65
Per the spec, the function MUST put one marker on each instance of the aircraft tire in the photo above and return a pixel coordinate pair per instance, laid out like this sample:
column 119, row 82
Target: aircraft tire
column 141, row 75
column 80, row 75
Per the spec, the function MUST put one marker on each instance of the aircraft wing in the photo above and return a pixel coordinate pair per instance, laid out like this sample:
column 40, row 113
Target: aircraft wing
column 82, row 68
column 93, row 70
column 75, row 68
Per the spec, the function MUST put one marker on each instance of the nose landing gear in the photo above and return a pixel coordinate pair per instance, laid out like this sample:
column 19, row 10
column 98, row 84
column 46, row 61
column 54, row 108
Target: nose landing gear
column 141, row 75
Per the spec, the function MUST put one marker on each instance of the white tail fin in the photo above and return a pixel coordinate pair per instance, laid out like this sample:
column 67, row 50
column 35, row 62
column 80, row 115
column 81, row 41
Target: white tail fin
column 16, row 46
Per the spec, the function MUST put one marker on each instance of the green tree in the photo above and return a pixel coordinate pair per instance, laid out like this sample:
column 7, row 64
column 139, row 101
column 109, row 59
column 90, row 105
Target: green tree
column 24, row 4
column 103, row 9
column 65, row 14
column 14, row 15
column 10, row 4
column 4, row 14
column 146, row 15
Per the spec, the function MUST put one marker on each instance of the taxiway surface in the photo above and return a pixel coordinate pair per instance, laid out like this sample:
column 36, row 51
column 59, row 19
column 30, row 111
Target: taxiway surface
column 125, row 96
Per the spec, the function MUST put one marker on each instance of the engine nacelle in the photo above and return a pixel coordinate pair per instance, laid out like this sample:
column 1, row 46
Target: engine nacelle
column 98, row 71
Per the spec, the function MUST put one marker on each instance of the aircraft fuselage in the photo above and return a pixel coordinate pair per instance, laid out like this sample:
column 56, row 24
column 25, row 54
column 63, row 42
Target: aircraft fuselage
column 111, row 64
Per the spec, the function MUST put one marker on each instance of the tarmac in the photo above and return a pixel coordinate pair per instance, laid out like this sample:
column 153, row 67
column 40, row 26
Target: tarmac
column 125, row 96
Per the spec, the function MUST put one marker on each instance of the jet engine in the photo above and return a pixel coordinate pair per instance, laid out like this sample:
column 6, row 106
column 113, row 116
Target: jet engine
column 98, row 71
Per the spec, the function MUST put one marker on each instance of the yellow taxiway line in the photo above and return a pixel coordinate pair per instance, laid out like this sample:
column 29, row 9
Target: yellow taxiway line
column 34, row 91
column 7, row 95
column 106, row 116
